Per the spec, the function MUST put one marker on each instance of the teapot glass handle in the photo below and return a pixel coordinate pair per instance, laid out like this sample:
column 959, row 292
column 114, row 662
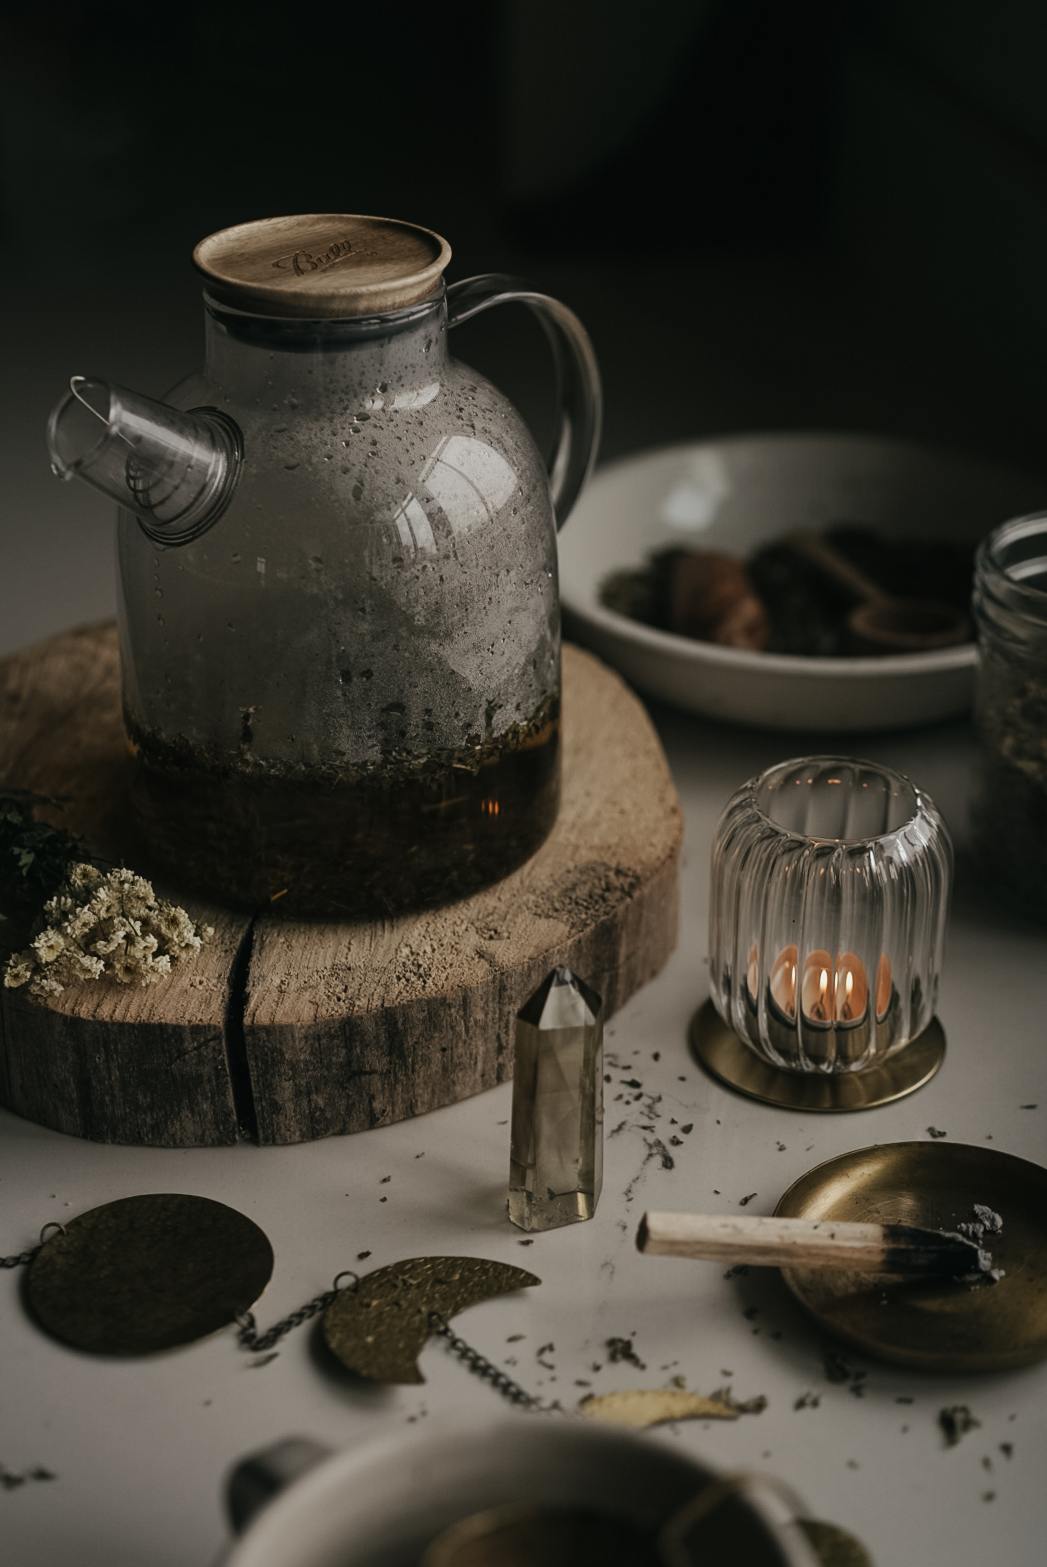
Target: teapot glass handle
column 577, row 377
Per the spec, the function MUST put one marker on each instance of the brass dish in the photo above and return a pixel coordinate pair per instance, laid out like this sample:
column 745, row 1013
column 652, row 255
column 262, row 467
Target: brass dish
column 718, row 1049
column 934, row 1324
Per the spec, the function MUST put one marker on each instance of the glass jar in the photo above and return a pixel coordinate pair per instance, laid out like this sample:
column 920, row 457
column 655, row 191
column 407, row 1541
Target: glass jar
column 827, row 911
column 1009, row 810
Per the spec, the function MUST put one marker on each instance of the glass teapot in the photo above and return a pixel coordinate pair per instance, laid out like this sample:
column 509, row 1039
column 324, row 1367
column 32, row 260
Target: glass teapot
column 338, row 607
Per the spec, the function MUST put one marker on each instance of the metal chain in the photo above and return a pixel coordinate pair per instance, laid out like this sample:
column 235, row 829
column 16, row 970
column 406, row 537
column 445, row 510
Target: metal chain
column 24, row 1258
column 483, row 1367
column 249, row 1336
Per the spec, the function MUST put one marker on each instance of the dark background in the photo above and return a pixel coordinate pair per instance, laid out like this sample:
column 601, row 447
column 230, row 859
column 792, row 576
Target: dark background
column 770, row 215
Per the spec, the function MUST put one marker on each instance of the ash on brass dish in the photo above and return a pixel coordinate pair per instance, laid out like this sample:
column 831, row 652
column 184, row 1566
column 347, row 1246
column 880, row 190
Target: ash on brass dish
column 933, row 1324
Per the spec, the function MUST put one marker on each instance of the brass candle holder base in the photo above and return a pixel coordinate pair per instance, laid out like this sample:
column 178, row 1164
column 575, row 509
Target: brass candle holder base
column 730, row 1060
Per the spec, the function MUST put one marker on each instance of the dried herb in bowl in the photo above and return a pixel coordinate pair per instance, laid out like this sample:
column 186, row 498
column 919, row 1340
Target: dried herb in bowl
column 777, row 601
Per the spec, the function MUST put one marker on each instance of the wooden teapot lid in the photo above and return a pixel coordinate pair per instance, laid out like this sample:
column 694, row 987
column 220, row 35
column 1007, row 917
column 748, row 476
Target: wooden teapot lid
column 321, row 266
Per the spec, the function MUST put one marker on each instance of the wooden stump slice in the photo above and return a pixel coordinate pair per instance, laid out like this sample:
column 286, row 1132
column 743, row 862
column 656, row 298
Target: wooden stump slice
column 291, row 1030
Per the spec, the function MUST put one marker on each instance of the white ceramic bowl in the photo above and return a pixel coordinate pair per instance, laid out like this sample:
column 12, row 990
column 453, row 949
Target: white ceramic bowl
column 380, row 1504
column 736, row 493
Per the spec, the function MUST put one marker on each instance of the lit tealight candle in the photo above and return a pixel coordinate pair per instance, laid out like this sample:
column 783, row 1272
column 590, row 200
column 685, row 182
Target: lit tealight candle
column 782, row 983
column 816, row 988
column 850, row 989
column 834, row 994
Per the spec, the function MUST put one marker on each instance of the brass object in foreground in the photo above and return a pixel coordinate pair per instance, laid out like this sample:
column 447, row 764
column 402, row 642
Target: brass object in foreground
column 719, row 1050
column 531, row 1536
column 833, row 1546
column 146, row 1273
column 683, row 1541
column 380, row 1328
column 561, row 1536
column 934, row 1324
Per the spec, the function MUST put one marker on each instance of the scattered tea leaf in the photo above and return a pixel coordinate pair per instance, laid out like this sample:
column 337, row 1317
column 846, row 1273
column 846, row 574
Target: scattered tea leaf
column 619, row 1349
column 956, row 1420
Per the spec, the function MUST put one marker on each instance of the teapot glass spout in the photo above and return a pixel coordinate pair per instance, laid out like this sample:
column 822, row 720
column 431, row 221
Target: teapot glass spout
column 174, row 471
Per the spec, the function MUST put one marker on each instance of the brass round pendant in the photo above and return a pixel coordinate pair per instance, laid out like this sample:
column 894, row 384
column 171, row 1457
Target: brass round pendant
column 146, row 1273
column 718, row 1049
column 934, row 1323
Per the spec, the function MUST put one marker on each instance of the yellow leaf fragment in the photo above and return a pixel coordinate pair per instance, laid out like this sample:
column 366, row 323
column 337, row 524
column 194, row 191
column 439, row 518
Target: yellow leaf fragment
column 651, row 1406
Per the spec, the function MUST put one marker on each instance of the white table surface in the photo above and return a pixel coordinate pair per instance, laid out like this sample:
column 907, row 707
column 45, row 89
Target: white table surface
column 140, row 1448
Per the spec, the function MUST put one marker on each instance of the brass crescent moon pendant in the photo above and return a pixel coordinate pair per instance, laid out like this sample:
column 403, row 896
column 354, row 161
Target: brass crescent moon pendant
column 146, row 1273
column 380, row 1328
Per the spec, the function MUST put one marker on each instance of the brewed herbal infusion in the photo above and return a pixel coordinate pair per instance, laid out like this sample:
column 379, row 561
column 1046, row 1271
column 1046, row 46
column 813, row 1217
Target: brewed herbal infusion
column 406, row 832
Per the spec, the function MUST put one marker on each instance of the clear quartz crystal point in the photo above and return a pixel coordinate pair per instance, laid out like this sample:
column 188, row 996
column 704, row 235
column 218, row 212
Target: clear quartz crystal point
column 556, row 1159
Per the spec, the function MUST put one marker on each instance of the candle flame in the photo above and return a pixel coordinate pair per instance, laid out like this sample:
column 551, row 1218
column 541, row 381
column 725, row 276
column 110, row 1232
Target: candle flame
column 834, row 992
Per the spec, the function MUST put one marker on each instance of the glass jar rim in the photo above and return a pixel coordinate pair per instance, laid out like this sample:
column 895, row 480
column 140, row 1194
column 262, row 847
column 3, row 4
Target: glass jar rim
column 899, row 786
column 998, row 561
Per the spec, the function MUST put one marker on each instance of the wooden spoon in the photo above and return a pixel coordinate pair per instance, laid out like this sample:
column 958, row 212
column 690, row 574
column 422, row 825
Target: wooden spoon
column 882, row 622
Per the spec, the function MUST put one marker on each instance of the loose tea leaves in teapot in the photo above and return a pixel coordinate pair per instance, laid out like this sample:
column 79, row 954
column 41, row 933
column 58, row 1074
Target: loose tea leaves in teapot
column 407, row 831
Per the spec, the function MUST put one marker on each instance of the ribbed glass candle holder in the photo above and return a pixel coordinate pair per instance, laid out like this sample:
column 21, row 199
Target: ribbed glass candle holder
column 830, row 888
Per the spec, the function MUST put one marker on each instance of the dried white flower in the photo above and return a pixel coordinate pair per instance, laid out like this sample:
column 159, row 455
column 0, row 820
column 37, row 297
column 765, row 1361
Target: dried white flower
column 18, row 972
column 48, row 944
column 99, row 926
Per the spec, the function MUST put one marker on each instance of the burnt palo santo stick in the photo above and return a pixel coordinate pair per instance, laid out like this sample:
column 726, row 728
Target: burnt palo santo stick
column 810, row 1243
